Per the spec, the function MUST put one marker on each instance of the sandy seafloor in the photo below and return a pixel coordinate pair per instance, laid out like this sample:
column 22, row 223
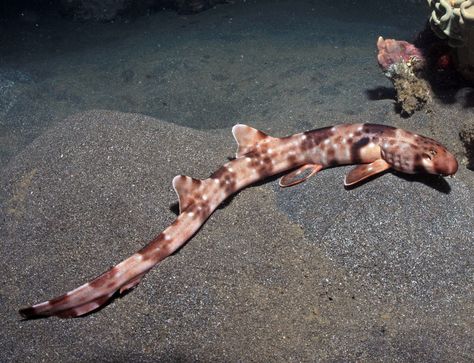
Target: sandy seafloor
column 96, row 119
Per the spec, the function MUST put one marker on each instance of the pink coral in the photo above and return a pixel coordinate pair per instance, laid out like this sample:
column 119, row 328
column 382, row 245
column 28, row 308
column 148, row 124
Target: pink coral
column 393, row 51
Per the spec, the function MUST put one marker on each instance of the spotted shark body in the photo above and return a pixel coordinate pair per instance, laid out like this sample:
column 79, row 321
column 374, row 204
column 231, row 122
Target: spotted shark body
column 375, row 148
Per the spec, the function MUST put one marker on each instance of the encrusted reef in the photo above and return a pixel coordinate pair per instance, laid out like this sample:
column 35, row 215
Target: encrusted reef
column 404, row 64
column 413, row 92
column 453, row 20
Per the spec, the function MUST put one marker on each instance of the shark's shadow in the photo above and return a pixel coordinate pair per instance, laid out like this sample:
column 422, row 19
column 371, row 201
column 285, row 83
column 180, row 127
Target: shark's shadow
column 436, row 182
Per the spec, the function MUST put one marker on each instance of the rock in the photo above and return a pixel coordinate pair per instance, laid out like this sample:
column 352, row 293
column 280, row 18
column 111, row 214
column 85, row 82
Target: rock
column 403, row 63
column 97, row 10
column 193, row 6
column 108, row 10
column 413, row 91
column 467, row 137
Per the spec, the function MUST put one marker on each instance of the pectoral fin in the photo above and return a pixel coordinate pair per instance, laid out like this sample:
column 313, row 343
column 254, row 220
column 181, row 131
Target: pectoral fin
column 298, row 176
column 364, row 171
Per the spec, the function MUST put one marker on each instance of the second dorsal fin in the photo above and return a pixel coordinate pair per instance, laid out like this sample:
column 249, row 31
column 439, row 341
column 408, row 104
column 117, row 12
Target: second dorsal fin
column 247, row 137
column 185, row 187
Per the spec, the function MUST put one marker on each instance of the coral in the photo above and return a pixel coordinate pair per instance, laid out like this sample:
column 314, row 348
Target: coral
column 454, row 20
column 404, row 64
column 392, row 51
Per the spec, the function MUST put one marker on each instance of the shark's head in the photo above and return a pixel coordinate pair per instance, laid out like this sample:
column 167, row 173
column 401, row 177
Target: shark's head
column 438, row 160
column 410, row 153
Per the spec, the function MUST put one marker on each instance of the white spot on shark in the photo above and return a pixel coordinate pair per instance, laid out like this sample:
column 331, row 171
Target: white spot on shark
column 138, row 257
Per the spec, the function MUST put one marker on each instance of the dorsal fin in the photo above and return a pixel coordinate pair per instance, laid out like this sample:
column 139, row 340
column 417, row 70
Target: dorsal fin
column 185, row 186
column 247, row 137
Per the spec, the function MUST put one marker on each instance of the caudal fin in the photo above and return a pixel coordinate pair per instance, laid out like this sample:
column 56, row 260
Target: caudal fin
column 93, row 294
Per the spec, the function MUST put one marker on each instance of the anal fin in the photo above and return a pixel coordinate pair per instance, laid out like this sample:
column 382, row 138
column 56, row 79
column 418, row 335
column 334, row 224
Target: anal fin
column 364, row 171
column 298, row 176
column 131, row 284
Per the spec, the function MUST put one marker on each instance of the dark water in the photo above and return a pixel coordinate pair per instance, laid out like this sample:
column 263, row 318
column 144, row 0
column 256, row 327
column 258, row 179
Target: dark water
column 250, row 60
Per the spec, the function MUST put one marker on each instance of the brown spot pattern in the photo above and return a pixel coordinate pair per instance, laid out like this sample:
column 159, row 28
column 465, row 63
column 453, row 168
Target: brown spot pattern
column 388, row 131
column 103, row 279
column 356, row 147
column 331, row 157
column 316, row 137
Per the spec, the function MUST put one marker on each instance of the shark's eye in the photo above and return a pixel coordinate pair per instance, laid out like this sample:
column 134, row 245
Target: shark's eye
column 428, row 156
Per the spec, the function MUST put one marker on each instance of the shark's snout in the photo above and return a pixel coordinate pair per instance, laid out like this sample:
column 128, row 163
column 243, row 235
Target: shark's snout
column 447, row 165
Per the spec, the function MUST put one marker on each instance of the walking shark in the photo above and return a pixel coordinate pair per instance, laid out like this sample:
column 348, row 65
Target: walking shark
column 375, row 148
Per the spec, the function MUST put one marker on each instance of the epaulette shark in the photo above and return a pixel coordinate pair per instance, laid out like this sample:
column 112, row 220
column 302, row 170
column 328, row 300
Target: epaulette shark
column 375, row 148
